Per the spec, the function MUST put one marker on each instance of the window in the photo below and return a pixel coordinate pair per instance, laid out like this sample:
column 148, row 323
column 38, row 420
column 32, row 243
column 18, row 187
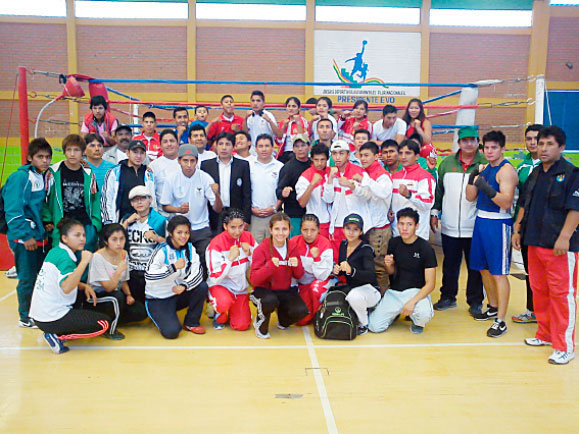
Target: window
column 131, row 9
column 45, row 8
column 376, row 15
column 481, row 18
column 245, row 11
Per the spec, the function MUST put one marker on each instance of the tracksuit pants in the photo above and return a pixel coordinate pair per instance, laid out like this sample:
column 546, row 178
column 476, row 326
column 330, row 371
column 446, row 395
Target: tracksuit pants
column 230, row 307
column 114, row 305
column 163, row 311
column 391, row 305
column 311, row 294
column 554, row 284
column 137, row 285
column 453, row 250
column 28, row 264
column 362, row 298
column 290, row 307
column 77, row 324
column 379, row 239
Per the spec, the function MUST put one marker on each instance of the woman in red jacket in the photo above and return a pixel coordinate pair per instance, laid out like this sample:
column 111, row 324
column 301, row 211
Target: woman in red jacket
column 275, row 262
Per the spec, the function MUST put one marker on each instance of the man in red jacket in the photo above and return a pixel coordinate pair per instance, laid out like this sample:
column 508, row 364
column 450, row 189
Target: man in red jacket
column 100, row 121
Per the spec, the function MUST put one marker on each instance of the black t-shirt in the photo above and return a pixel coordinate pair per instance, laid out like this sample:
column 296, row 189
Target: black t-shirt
column 410, row 261
column 72, row 183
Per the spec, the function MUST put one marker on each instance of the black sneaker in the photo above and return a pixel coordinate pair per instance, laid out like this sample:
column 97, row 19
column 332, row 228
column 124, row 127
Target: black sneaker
column 416, row 329
column 498, row 329
column 444, row 303
column 28, row 323
column 475, row 310
column 490, row 313
column 362, row 330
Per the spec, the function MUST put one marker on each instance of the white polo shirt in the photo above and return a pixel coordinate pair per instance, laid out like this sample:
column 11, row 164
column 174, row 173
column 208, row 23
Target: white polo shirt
column 224, row 181
column 196, row 191
column 264, row 177
column 257, row 125
column 379, row 133
column 163, row 168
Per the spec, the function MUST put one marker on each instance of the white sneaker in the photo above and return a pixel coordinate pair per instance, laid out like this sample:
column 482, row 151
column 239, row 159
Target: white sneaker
column 279, row 326
column 536, row 342
column 11, row 274
column 561, row 357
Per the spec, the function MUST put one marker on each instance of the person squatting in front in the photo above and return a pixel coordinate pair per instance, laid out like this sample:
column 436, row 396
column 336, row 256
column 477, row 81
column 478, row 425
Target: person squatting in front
column 56, row 290
column 356, row 266
column 275, row 262
column 228, row 259
column 174, row 281
column 412, row 263
column 317, row 257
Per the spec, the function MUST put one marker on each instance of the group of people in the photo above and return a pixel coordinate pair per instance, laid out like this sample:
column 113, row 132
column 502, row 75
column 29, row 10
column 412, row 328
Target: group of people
column 241, row 209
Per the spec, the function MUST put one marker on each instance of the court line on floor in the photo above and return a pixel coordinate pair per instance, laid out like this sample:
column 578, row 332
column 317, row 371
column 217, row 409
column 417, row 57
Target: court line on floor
column 268, row 347
column 11, row 293
column 322, row 392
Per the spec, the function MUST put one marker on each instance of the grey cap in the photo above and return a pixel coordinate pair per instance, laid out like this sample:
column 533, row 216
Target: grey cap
column 188, row 149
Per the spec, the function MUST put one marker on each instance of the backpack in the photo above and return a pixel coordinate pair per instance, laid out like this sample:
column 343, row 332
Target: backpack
column 336, row 319
column 3, row 224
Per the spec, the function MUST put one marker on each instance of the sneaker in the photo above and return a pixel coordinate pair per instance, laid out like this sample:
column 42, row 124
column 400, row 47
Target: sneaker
column 209, row 311
column 29, row 323
column 55, row 344
column 217, row 325
column 561, row 357
column 536, row 342
column 362, row 330
column 279, row 326
column 11, row 274
column 475, row 310
column 197, row 330
column 527, row 317
column 444, row 303
column 416, row 329
column 116, row 336
column 490, row 313
column 260, row 334
column 498, row 329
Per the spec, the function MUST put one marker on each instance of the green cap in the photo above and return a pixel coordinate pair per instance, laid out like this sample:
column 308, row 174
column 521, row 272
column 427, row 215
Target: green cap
column 470, row 131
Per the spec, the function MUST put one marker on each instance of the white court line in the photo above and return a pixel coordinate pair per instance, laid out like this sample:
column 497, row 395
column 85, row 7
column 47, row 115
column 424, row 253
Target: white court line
column 10, row 294
column 329, row 415
column 270, row 347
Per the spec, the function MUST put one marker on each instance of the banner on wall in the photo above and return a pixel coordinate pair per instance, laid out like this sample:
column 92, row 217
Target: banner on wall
column 366, row 57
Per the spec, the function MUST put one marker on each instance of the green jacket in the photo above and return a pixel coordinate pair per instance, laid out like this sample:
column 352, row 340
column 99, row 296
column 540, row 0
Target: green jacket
column 52, row 211
column 457, row 214
column 24, row 193
column 524, row 169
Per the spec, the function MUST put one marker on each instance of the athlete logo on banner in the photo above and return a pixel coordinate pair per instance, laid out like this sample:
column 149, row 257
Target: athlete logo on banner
column 357, row 58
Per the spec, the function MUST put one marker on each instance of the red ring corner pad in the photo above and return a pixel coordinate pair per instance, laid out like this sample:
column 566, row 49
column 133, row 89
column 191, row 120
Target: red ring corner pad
column 6, row 255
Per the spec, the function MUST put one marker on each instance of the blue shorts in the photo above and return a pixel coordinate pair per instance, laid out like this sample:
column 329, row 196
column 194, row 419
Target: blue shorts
column 491, row 245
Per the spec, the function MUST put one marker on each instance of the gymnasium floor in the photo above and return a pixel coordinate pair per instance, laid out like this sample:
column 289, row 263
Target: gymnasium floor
column 450, row 379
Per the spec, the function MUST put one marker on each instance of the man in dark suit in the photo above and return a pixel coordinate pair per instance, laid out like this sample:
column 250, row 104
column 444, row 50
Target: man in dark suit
column 232, row 175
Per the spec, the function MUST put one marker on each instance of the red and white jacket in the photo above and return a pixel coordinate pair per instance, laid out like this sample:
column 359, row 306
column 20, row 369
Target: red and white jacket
column 318, row 268
column 422, row 186
column 230, row 125
column 222, row 271
column 315, row 205
column 153, row 145
column 346, row 129
column 266, row 275
column 290, row 130
column 379, row 182
column 344, row 201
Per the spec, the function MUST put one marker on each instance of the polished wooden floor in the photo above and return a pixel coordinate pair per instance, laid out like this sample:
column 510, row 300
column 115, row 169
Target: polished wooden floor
column 452, row 378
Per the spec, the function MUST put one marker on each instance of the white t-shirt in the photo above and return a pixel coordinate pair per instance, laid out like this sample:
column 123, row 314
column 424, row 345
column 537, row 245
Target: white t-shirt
column 196, row 191
column 101, row 270
column 264, row 177
column 163, row 168
column 140, row 248
column 206, row 155
column 49, row 302
column 315, row 127
column 249, row 158
column 257, row 125
column 224, row 181
column 379, row 133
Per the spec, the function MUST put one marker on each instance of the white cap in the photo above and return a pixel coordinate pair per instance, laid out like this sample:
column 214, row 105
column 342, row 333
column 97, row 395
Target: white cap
column 139, row 191
column 340, row 145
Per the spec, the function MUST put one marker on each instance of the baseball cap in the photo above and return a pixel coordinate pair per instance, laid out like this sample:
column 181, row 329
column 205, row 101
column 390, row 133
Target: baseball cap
column 303, row 137
column 188, row 149
column 356, row 219
column 124, row 127
column 133, row 144
column 469, row 131
column 139, row 191
column 340, row 145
